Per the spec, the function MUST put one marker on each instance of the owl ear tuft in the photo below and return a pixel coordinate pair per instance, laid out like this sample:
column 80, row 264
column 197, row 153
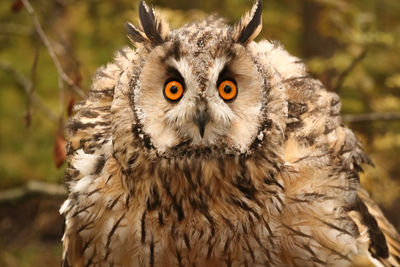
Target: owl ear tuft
column 249, row 25
column 152, row 28
column 134, row 35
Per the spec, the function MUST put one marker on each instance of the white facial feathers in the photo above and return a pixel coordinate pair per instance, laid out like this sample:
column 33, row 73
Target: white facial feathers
column 232, row 124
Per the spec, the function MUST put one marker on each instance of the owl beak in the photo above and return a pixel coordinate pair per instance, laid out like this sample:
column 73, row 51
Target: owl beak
column 201, row 119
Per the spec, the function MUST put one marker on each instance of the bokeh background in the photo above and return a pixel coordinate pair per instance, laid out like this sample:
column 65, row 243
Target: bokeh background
column 352, row 46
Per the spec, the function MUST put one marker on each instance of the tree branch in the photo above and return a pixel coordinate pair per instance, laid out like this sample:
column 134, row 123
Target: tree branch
column 31, row 89
column 61, row 73
column 371, row 117
column 33, row 187
column 342, row 76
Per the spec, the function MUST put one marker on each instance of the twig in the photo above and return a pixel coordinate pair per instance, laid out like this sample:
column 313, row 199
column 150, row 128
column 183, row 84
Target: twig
column 342, row 76
column 32, row 84
column 25, row 84
column 33, row 187
column 371, row 117
column 51, row 50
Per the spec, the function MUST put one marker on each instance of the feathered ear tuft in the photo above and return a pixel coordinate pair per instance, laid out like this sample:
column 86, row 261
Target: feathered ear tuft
column 152, row 29
column 249, row 25
column 134, row 35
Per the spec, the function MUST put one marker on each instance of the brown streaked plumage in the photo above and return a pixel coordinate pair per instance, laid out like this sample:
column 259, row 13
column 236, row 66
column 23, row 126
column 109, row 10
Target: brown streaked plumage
column 268, row 178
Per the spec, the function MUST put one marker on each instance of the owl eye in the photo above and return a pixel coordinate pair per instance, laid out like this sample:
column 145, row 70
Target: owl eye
column 173, row 90
column 227, row 90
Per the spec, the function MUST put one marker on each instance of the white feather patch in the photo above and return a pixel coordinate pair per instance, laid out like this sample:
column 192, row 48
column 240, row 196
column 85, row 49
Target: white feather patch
column 65, row 206
column 82, row 185
column 85, row 163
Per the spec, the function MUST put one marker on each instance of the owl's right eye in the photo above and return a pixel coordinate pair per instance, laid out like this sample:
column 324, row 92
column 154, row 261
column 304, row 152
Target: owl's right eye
column 173, row 90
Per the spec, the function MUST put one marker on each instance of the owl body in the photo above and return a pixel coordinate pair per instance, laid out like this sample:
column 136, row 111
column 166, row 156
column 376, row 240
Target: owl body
column 266, row 178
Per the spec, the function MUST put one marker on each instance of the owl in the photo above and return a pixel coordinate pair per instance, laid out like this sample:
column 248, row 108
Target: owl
column 202, row 147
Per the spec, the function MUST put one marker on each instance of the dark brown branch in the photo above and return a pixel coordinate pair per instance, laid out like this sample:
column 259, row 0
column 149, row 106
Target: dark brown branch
column 371, row 117
column 342, row 76
column 50, row 49
column 33, row 187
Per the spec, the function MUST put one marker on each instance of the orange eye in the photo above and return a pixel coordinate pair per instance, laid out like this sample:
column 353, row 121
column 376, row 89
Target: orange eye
column 173, row 90
column 227, row 90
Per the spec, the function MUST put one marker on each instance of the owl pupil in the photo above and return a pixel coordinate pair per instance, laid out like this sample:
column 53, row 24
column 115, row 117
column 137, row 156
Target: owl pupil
column 173, row 89
column 227, row 89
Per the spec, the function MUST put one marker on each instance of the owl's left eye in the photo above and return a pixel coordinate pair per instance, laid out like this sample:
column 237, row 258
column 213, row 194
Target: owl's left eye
column 173, row 90
column 227, row 90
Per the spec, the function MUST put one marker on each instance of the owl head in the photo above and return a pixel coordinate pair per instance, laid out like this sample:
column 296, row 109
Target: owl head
column 200, row 87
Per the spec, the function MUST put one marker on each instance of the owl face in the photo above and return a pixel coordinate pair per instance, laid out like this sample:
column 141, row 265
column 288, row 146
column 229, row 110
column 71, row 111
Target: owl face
column 198, row 88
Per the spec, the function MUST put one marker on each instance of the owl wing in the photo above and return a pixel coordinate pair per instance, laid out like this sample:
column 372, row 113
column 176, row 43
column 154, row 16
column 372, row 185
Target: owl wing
column 90, row 150
column 316, row 137
column 388, row 230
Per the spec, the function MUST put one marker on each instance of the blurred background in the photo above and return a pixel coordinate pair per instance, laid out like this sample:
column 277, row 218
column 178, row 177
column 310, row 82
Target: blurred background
column 49, row 54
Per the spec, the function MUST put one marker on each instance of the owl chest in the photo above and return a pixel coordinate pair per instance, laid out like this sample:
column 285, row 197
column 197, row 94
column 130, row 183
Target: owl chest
column 182, row 219
column 203, row 228
column 156, row 238
column 196, row 241
column 186, row 219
